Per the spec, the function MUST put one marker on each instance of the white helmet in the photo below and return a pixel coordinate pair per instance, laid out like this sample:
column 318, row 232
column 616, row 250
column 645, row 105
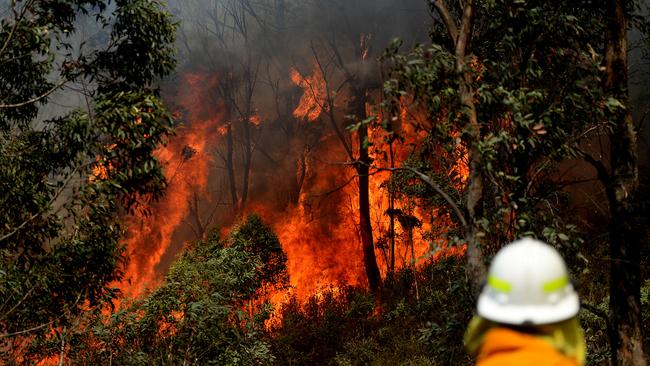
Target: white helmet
column 528, row 283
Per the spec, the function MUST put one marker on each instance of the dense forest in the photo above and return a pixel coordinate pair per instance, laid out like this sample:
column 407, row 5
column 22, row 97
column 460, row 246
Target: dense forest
column 319, row 182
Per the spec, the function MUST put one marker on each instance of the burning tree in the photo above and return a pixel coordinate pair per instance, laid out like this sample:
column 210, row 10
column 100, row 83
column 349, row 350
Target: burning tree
column 307, row 89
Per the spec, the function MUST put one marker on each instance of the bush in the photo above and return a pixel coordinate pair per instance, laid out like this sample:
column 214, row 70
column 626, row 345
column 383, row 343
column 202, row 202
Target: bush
column 348, row 327
column 205, row 312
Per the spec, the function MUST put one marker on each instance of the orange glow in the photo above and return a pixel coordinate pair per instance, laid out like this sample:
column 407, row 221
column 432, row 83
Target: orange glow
column 323, row 248
column 461, row 168
column 223, row 130
column 99, row 171
column 319, row 233
column 255, row 120
column 148, row 238
column 314, row 98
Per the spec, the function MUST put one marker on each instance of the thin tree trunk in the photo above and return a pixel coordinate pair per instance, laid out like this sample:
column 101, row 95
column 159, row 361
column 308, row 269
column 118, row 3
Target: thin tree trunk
column 391, row 208
column 299, row 180
column 365, row 226
column 415, row 273
column 625, row 236
column 248, row 160
column 461, row 34
column 475, row 190
column 230, row 167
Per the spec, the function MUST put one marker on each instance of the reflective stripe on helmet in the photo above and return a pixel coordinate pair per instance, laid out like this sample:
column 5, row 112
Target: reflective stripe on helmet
column 556, row 284
column 499, row 284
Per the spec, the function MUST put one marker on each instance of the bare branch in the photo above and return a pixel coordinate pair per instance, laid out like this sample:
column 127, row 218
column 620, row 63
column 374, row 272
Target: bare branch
column 35, row 99
column 330, row 103
column 52, row 200
column 27, row 330
column 13, row 29
column 426, row 179
column 6, row 314
column 603, row 174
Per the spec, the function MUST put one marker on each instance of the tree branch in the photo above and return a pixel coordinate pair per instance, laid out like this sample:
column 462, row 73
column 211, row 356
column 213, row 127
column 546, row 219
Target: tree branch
column 597, row 312
column 35, row 99
column 330, row 109
column 602, row 172
column 13, row 29
column 426, row 179
column 445, row 15
column 52, row 200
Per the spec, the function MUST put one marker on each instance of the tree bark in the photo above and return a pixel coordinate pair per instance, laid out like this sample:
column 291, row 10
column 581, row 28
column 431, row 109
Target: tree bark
column 461, row 36
column 230, row 167
column 475, row 270
column 248, row 161
column 391, row 207
column 299, row 180
column 365, row 225
column 626, row 337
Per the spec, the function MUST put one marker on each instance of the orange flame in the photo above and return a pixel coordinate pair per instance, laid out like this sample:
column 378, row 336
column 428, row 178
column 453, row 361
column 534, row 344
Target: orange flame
column 148, row 238
column 313, row 101
column 319, row 235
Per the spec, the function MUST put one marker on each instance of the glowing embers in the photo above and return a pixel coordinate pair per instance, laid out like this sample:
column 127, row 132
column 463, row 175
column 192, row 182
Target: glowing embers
column 314, row 99
column 99, row 170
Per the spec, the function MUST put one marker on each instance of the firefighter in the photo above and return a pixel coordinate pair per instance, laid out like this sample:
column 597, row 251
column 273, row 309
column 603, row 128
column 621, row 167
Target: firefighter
column 527, row 310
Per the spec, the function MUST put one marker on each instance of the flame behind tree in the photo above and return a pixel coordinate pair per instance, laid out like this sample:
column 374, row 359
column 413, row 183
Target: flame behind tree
column 187, row 161
column 320, row 226
column 314, row 97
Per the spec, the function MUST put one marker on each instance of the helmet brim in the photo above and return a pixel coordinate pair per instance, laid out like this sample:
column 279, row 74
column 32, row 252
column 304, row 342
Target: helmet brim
column 564, row 309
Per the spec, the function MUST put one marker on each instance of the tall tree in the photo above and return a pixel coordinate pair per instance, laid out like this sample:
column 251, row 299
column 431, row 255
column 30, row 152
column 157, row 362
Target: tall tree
column 66, row 178
column 621, row 186
column 460, row 34
column 496, row 85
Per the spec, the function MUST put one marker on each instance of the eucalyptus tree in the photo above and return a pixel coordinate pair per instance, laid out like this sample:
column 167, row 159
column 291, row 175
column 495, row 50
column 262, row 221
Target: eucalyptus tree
column 532, row 83
column 516, row 86
column 68, row 172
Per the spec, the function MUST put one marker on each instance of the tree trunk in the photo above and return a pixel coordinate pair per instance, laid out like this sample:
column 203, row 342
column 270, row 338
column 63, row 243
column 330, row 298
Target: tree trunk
column 230, row 167
column 248, row 160
column 475, row 270
column 625, row 235
column 299, row 180
column 391, row 208
column 365, row 226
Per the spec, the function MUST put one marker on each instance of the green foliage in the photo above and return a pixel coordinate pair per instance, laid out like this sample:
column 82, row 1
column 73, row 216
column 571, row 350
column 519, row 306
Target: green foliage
column 341, row 327
column 645, row 312
column 595, row 329
column 203, row 313
column 257, row 238
column 535, row 74
column 66, row 178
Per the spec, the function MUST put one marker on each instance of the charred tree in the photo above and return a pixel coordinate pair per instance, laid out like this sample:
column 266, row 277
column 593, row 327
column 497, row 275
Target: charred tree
column 248, row 161
column 298, row 182
column 362, row 167
column 361, row 163
column 230, row 167
column 624, row 234
column 391, row 208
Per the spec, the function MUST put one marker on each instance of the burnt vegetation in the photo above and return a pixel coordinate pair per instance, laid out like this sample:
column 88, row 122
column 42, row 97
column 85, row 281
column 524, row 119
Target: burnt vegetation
column 323, row 182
